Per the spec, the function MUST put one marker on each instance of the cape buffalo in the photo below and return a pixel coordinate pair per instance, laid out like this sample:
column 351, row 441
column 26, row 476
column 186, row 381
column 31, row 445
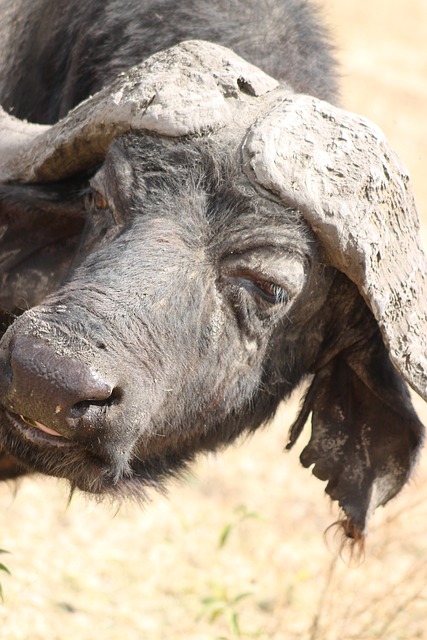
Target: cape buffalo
column 186, row 238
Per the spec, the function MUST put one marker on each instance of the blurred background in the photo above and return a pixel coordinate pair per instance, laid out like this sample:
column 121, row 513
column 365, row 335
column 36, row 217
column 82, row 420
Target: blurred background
column 238, row 550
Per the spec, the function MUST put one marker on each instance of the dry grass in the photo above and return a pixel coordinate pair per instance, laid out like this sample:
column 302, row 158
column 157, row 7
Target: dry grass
column 238, row 550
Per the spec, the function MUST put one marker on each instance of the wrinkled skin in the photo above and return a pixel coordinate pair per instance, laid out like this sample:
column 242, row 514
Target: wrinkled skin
column 159, row 340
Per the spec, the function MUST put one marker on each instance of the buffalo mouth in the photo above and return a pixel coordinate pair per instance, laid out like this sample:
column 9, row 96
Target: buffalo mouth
column 37, row 447
column 42, row 450
column 33, row 432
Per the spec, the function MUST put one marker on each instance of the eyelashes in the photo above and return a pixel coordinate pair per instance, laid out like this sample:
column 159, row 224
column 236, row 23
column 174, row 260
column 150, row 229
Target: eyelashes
column 265, row 290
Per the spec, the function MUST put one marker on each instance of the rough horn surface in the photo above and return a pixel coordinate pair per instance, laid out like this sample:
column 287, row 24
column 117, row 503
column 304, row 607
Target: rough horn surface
column 354, row 191
column 195, row 87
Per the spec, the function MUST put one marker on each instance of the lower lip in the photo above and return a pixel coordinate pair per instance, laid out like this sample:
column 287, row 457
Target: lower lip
column 39, row 425
column 34, row 434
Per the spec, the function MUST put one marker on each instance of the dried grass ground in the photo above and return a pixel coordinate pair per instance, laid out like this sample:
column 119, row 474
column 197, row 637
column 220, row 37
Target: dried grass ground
column 238, row 550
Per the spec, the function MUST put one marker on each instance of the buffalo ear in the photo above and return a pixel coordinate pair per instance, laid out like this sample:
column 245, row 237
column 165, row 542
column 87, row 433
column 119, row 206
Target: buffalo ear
column 365, row 433
column 41, row 229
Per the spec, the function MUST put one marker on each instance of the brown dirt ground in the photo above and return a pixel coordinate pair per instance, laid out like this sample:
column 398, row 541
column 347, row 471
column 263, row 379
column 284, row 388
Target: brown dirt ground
column 86, row 572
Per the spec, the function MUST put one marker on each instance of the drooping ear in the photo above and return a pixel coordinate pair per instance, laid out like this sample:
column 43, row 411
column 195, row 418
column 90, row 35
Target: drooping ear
column 41, row 231
column 365, row 433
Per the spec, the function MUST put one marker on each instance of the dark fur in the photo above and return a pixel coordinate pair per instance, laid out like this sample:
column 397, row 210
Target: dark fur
column 61, row 52
column 164, row 296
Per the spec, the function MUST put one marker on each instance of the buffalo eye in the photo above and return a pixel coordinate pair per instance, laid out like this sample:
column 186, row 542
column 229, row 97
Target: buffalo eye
column 99, row 201
column 271, row 292
column 95, row 200
column 273, row 277
column 262, row 289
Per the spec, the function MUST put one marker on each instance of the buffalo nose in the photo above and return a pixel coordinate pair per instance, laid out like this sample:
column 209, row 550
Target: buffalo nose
column 51, row 388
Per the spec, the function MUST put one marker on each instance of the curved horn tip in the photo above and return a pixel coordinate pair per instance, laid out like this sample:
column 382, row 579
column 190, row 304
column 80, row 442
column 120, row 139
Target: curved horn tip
column 15, row 137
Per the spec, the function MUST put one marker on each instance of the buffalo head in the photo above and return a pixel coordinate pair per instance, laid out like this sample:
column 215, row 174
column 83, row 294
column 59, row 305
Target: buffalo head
column 191, row 243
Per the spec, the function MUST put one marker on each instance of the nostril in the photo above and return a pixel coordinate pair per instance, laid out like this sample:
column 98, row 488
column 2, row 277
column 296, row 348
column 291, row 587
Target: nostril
column 79, row 409
column 116, row 396
column 51, row 387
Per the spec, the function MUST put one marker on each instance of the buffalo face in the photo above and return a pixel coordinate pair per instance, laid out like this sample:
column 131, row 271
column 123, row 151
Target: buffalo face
column 187, row 288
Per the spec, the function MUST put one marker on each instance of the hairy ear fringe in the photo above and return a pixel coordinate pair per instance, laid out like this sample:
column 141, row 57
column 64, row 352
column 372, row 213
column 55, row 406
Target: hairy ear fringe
column 349, row 540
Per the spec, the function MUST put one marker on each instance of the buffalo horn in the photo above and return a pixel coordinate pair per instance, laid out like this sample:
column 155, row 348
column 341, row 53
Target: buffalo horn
column 192, row 88
column 353, row 190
